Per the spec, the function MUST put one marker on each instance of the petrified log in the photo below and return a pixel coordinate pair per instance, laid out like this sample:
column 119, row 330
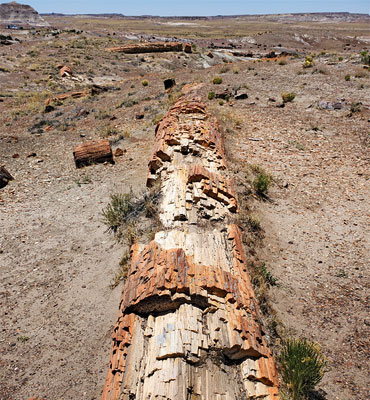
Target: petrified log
column 189, row 325
column 92, row 152
column 5, row 177
column 64, row 96
column 157, row 47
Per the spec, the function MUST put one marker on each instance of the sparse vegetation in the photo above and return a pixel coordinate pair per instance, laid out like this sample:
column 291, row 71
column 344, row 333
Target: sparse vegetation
column 211, row 95
column 224, row 69
column 347, row 78
column 282, row 61
column 122, row 213
column 267, row 275
column 145, row 82
column 302, row 367
column 308, row 62
column 23, row 339
column 217, row 80
column 365, row 57
column 288, row 97
column 261, row 183
column 121, row 275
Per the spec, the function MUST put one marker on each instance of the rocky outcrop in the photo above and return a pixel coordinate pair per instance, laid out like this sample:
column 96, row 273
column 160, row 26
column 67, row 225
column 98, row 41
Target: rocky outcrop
column 188, row 324
column 148, row 47
column 20, row 14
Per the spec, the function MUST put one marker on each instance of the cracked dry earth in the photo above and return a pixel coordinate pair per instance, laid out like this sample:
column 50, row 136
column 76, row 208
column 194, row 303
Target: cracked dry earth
column 57, row 262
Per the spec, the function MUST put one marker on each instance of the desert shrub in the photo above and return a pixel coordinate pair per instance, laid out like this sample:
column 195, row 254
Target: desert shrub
column 253, row 223
column 224, row 69
column 235, row 70
column 365, row 57
column 340, row 58
column 308, row 62
column 4, row 69
column 355, row 107
column 156, row 119
column 361, row 74
column 211, row 95
column 116, row 212
column 282, row 61
column 270, row 279
column 145, row 82
column 347, row 78
column 302, row 367
column 288, row 97
column 261, row 183
column 217, row 80
column 221, row 102
column 127, row 103
column 121, row 275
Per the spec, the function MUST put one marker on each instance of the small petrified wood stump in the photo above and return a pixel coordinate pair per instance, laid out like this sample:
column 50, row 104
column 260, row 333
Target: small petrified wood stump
column 92, row 152
column 189, row 325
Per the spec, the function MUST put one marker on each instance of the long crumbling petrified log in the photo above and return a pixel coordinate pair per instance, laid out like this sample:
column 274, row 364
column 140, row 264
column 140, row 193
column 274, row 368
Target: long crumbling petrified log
column 188, row 325
column 157, row 47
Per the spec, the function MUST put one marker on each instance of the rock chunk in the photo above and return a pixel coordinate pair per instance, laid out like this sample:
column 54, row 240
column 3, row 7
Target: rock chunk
column 5, row 177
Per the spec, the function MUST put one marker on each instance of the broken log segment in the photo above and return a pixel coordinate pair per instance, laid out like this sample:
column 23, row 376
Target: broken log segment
column 92, row 152
column 188, row 323
column 5, row 177
column 156, row 47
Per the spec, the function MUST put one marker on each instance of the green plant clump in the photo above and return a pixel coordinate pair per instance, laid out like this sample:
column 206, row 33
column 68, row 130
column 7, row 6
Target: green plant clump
column 302, row 367
column 117, row 210
column 347, row 78
column 365, row 57
column 211, row 95
column 217, row 80
column 288, row 97
column 145, row 82
column 261, row 183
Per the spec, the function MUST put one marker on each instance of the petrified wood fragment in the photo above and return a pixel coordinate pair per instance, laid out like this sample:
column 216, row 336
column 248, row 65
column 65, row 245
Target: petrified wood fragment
column 189, row 325
column 5, row 177
column 157, row 47
column 92, row 152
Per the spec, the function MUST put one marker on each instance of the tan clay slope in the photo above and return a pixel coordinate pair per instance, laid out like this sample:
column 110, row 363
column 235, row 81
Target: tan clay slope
column 189, row 325
column 14, row 13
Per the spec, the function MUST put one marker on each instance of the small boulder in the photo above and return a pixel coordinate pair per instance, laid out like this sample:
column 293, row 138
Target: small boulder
column 5, row 177
column 169, row 83
column 187, row 48
column 118, row 152
column 65, row 71
column 241, row 95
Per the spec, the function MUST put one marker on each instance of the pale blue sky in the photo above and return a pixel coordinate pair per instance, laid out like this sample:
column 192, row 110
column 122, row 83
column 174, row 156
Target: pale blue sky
column 197, row 7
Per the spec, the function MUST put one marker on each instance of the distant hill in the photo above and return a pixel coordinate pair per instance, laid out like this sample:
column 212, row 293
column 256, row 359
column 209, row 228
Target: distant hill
column 20, row 14
column 288, row 17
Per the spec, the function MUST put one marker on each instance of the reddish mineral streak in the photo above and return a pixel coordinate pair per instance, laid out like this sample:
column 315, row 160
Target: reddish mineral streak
column 189, row 325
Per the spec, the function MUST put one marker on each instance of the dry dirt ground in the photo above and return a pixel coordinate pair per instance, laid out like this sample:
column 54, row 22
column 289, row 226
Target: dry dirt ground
column 56, row 259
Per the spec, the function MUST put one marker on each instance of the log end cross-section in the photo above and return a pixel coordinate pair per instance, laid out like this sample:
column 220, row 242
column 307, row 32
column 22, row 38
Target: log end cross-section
column 189, row 325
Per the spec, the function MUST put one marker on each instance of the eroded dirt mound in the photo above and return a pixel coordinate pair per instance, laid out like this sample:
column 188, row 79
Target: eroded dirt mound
column 21, row 14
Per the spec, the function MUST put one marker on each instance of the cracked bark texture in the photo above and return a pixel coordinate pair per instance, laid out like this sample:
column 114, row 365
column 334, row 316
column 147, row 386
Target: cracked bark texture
column 189, row 326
